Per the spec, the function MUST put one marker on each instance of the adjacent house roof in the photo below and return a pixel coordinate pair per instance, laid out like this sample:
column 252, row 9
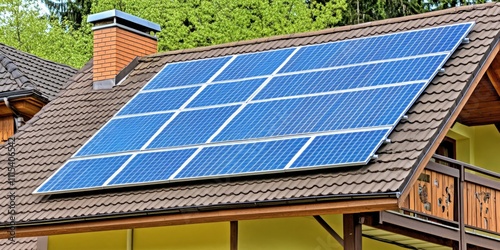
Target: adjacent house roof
column 20, row 70
column 19, row 244
column 71, row 119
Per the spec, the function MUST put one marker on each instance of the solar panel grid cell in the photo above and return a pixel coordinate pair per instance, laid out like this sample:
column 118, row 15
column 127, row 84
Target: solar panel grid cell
column 186, row 73
column 124, row 134
column 192, row 127
column 257, row 64
column 339, row 149
column 223, row 93
column 242, row 158
column 149, row 167
column 88, row 173
column 158, row 101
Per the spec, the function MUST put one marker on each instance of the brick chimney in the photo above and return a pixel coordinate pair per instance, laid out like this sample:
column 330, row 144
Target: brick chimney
column 119, row 38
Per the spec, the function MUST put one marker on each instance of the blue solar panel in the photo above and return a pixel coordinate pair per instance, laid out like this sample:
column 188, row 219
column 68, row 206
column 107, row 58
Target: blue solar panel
column 124, row 134
column 359, row 109
column 223, row 93
column 150, row 167
column 242, row 158
column 339, row 149
column 257, row 64
column 352, row 77
column 425, row 41
column 192, row 127
column 158, row 101
column 80, row 174
column 186, row 73
column 322, row 98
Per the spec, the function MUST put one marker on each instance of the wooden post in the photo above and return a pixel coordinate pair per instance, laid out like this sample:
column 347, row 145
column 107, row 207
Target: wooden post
column 352, row 232
column 462, row 245
column 233, row 235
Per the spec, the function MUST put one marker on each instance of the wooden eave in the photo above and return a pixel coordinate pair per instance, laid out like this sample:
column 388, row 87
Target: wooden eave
column 27, row 106
column 483, row 106
column 145, row 220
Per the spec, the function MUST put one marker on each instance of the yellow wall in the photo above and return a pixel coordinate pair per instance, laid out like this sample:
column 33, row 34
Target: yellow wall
column 209, row 236
column 109, row 240
column 273, row 234
column 297, row 233
column 479, row 145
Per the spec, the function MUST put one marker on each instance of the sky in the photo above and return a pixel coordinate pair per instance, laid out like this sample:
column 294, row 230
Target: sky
column 43, row 9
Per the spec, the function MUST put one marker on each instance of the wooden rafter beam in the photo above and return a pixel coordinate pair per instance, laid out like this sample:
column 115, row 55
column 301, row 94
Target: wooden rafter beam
column 329, row 229
column 493, row 75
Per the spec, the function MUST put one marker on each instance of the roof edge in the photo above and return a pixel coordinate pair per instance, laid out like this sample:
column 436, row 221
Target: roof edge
column 223, row 206
column 324, row 31
column 177, row 217
column 445, row 126
column 23, row 93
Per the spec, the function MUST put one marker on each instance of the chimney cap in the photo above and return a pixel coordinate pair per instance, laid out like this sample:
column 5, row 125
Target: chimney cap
column 116, row 14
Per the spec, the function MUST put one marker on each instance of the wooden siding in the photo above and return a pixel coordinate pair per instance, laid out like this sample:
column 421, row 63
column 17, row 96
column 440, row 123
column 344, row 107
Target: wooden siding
column 481, row 207
column 6, row 127
column 433, row 194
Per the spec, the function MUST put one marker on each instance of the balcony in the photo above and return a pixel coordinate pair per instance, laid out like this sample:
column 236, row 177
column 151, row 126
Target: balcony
column 453, row 204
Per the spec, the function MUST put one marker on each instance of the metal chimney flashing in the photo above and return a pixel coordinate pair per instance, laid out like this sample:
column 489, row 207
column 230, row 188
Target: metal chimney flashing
column 110, row 83
column 118, row 17
column 103, row 84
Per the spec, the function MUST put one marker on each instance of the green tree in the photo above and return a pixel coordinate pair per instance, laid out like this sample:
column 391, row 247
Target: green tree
column 193, row 23
column 23, row 27
column 72, row 11
column 445, row 4
column 359, row 11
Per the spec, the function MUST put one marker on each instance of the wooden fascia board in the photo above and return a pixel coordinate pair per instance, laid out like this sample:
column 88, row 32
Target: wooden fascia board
column 449, row 123
column 334, row 207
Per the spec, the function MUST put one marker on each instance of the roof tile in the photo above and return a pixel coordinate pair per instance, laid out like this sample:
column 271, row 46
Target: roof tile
column 29, row 71
column 66, row 123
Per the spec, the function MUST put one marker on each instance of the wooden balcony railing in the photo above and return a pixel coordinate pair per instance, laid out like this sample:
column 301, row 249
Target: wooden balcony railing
column 457, row 194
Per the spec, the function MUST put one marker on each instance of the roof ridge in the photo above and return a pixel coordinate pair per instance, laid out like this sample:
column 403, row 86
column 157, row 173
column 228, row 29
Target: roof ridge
column 16, row 73
column 37, row 57
column 326, row 31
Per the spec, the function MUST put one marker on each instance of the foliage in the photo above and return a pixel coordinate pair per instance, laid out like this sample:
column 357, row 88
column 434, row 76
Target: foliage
column 65, row 36
column 445, row 4
column 193, row 23
column 359, row 11
column 71, row 11
column 23, row 27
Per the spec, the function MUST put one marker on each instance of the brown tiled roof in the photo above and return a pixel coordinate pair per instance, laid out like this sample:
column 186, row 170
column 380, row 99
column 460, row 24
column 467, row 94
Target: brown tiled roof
column 19, row 70
column 19, row 244
column 71, row 119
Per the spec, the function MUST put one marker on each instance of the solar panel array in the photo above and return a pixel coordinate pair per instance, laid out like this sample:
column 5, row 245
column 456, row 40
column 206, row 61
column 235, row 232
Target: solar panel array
column 309, row 107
